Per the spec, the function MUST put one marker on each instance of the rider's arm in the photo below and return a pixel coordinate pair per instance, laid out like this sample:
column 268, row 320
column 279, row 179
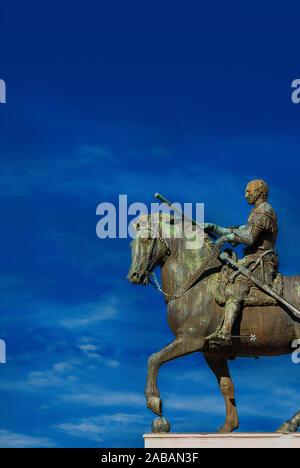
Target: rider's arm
column 248, row 235
column 220, row 231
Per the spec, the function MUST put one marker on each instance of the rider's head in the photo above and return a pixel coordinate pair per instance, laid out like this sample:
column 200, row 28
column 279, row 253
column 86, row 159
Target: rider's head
column 255, row 190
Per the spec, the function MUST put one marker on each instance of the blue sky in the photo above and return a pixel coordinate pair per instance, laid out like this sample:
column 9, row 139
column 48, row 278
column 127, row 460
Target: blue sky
column 190, row 99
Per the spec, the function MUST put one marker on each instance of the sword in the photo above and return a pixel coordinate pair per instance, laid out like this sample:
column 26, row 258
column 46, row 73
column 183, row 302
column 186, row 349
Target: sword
column 244, row 271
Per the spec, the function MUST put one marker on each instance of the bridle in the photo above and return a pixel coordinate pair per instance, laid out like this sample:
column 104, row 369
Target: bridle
column 167, row 251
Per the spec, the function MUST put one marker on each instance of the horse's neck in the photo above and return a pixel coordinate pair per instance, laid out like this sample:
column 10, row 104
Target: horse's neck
column 182, row 264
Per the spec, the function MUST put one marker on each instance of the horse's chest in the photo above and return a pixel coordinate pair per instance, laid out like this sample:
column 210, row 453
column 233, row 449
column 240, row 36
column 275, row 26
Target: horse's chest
column 175, row 319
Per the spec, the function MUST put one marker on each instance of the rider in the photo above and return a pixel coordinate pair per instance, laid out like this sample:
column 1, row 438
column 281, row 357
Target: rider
column 259, row 235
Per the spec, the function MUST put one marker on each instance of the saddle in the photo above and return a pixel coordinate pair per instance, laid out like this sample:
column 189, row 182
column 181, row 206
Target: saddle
column 255, row 297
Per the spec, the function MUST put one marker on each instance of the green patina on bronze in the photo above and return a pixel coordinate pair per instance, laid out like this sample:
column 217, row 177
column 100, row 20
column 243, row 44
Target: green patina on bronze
column 190, row 282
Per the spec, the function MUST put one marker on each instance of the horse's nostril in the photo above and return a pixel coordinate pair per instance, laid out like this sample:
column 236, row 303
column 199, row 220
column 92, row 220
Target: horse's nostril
column 133, row 277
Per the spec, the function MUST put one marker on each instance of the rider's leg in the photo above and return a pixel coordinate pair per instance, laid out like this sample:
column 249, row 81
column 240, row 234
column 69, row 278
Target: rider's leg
column 236, row 294
column 232, row 308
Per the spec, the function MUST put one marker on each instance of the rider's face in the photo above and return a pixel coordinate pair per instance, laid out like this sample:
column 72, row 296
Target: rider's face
column 252, row 194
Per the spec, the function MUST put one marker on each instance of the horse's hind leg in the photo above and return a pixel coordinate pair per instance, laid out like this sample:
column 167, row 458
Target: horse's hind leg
column 291, row 425
column 177, row 348
column 219, row 366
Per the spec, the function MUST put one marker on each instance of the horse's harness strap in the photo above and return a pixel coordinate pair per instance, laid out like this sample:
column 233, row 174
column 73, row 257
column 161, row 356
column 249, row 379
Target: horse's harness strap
column 167, row 251
column 215, row 254
column 198, row 273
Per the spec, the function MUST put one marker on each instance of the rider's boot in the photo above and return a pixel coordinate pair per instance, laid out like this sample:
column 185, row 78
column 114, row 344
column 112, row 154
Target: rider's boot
column 232, row 308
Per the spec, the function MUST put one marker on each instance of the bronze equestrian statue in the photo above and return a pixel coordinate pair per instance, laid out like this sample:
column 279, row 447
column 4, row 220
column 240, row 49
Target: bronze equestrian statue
column 204, row 295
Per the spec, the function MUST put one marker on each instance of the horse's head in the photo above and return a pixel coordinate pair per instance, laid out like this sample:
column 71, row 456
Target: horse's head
column 149, row 249
column 157, row 236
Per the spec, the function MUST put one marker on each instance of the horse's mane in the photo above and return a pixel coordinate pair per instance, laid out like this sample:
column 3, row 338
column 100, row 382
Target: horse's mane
column 166, row 225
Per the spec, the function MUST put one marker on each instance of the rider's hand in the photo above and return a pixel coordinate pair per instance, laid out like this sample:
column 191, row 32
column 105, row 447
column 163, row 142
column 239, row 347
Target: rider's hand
column 227, row 238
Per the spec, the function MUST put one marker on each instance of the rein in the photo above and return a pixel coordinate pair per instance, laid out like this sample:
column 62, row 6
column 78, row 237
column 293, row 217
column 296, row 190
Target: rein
column 149, row 256
column 198, row 273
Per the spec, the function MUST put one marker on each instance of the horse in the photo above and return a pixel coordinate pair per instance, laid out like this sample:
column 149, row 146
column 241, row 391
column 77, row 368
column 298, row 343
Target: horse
column 193, row 313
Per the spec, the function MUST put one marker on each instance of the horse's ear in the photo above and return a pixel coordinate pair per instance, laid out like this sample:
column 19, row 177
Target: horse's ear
column 175, row 220
column 170, row 219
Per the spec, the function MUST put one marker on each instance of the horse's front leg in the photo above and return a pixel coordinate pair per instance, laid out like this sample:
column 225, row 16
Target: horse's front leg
column 171, row 351
column 181, row 346
column 219, row 366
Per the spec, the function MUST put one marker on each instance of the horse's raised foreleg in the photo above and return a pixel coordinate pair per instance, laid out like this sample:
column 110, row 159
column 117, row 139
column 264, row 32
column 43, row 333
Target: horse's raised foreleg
column 219, row 366
column 177, row 348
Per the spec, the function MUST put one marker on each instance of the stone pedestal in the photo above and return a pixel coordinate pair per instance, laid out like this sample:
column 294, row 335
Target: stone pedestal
column 234, row 440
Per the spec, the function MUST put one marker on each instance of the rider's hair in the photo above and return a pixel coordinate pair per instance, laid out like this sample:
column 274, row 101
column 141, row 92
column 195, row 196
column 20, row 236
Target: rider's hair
column 261, row 186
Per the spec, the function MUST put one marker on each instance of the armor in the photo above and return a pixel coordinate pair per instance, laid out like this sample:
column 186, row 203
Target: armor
column 259, row 237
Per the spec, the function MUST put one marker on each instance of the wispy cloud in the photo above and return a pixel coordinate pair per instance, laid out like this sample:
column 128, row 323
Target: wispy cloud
column 75, row 316
column 90, row 351
column 205, row 404
column 96, row 428
column 96, row 397
column 94, row 313
column 63, row 367
column 49, row 379
column 13, row 440
column 84, row 429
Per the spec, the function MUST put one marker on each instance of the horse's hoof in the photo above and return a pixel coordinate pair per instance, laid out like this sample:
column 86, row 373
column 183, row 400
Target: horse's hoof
column 155, row 405
column 288, row 426
column 224, row 430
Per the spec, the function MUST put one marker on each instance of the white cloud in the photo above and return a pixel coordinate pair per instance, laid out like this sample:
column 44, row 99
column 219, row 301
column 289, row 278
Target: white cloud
column 85, row 429
column 96, row 428
column 204, row 404
column 93, row 398
column 90, row 314
column 88, row 347
column 92, row 355
column 123, row 418
column 49, row 378
column 13, row 440
column 65, row 366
